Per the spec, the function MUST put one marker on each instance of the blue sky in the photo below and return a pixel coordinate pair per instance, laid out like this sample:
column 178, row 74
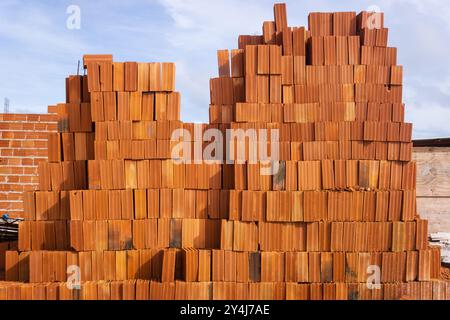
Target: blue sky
column 38, row 50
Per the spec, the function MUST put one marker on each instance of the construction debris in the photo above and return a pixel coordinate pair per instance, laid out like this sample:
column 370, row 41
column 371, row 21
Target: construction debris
column 442, row 239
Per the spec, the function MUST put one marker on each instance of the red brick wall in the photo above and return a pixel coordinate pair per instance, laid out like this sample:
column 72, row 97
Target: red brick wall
column 23, row 143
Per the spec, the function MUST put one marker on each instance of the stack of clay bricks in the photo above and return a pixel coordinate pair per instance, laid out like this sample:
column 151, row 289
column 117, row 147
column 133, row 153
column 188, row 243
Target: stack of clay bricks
column 5, row 246
column 118, row 209
column 344, row 198
column 112, row 201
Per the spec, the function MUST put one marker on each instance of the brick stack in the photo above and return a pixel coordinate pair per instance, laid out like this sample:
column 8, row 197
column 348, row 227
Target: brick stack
column 5, row 246
column 344, row 198
column 23, row 144
column 143, row 226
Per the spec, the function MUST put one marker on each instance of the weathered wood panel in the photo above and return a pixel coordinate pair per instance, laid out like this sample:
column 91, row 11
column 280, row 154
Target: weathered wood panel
column 433, row 172
column 433, row 187
column 437, row 212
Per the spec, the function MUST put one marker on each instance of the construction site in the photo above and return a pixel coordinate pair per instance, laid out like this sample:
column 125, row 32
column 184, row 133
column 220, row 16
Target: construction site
column 306, row 183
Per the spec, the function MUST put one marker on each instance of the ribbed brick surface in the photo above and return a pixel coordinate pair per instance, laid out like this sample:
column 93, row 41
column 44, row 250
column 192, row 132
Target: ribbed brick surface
column 23, row 143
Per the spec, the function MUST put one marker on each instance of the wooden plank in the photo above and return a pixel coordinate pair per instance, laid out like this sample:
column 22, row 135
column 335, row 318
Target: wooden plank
column 437, row 211
column 433, row 172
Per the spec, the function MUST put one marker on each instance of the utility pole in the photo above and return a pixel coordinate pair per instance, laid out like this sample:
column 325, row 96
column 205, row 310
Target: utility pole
column 6, row 106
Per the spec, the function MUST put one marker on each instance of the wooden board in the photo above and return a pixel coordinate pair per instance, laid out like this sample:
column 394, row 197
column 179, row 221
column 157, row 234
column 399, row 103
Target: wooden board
column 437, row 211
column 433, row 186
column 433, row 172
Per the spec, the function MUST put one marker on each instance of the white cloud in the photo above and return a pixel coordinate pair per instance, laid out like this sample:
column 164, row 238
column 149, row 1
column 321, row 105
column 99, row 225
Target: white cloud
column 36, row 29
column 430, row 120
column 38, row 52
column 204, row 24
